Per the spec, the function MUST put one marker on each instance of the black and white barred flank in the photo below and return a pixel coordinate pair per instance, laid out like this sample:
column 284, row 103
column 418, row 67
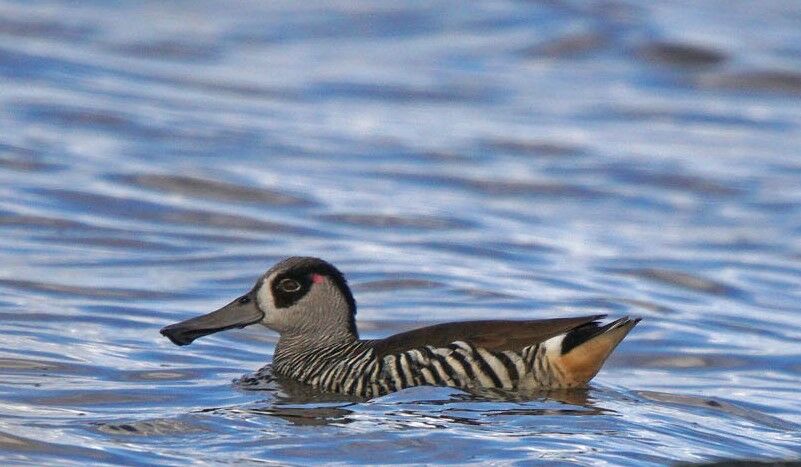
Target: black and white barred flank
column 354, row 369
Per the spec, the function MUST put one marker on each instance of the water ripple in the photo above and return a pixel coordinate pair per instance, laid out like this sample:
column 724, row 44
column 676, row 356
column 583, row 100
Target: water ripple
column 456, row 161
column 204, row 188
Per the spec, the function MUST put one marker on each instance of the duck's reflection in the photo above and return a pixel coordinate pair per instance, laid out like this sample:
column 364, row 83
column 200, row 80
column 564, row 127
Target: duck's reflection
column 306, row 416
column 579, row 397
column 287, row 390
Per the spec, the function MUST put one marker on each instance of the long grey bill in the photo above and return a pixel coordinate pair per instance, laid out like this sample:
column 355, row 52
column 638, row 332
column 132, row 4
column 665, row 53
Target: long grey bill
column 240, row 313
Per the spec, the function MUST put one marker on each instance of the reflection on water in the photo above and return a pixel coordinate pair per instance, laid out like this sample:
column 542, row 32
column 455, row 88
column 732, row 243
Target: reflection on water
column 457, row 161
column 714, row 405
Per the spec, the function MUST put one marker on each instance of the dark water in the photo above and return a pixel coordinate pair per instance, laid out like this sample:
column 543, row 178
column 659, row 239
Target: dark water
column 458, row 160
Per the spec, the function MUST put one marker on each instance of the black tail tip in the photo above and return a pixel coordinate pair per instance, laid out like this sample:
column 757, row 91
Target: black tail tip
column 587, row 331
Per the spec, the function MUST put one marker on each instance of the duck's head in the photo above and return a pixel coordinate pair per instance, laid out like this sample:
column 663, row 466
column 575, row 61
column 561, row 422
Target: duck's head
column 299, row 295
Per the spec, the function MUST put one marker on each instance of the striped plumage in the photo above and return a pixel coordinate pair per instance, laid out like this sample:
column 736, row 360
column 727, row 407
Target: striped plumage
column 309, row 303
column 356, row 368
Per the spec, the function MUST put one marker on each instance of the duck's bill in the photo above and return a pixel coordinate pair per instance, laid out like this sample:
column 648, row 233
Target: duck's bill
column 237, row 314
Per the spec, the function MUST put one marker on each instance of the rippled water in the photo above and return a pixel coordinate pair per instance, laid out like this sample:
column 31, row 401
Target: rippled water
column 458, row 160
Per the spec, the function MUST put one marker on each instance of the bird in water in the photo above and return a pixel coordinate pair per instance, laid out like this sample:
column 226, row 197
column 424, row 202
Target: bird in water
column 308, row 302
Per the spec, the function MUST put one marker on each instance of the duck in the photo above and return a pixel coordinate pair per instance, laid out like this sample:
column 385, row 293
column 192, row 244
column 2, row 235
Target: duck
column 308, row 302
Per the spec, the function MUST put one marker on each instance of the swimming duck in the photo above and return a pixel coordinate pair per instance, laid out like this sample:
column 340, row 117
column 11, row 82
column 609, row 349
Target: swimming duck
column 308, row 302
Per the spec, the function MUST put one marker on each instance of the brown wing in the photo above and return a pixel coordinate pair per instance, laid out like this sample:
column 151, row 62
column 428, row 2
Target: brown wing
column 491, row 334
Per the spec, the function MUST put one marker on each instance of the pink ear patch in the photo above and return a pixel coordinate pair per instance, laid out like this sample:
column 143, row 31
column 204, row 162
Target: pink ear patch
column 317, row 278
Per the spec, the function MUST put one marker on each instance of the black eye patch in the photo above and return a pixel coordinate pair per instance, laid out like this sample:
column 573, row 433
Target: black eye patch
column 287, row 290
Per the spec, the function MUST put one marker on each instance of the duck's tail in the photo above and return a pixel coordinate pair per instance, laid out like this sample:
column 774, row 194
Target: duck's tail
column 580, row 353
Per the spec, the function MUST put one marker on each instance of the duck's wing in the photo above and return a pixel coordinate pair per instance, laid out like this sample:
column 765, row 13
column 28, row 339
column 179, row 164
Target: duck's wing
column 494, row 335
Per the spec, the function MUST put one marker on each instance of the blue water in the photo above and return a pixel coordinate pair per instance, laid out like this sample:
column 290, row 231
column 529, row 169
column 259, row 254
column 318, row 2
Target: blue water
column 457, row 160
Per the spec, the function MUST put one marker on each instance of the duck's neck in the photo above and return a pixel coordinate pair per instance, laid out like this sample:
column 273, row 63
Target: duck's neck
column 305, row 349
column 304, row 342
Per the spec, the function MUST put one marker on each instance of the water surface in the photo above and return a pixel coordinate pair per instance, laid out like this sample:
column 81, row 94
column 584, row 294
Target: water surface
column 457, row 161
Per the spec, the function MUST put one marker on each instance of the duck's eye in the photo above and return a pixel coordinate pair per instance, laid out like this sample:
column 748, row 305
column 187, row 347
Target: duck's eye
column 289, row 285
column 244, row 299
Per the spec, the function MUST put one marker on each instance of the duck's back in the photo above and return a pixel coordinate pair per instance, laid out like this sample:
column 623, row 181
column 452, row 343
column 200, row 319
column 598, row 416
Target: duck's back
column 548, row 354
